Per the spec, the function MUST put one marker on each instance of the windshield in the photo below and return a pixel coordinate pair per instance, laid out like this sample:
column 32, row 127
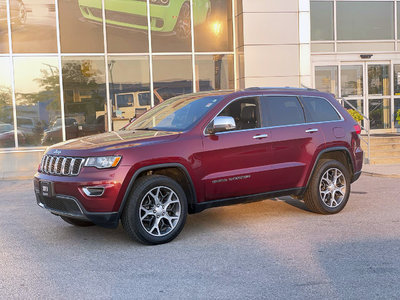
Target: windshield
column 176, row 114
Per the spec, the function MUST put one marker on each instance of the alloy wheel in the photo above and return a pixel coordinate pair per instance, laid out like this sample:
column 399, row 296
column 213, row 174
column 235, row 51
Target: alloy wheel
column 160, row 211
column 332, row 187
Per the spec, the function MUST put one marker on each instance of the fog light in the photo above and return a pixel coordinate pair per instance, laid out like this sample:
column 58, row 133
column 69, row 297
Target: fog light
column 93, row 191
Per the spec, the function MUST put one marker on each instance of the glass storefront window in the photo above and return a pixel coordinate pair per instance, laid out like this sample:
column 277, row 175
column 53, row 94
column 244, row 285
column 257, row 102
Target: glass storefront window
column 129, row 88
column 33, row 25
column 3, row 27
column 6, row 109
column 213, row 25
column 397, row 113
column 168, row 84
column 37, row 94
column 326, row 79
column 396, row 79
column 84, row 95
column 378, row 80
column 171, row 25
column 214, row 72
column 365, row 20
column 352, row 80
column 321, row 21
column 379, row 113
column 127, row 28
column 81, row 29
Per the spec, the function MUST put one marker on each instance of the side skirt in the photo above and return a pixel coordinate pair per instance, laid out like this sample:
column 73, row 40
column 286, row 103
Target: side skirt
column 198, row 207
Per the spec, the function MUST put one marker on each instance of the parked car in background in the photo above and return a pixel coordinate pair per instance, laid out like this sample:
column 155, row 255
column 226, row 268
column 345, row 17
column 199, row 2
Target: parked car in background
column 167, row 16
column 203, row 150
column 54, row 133
column 7, row 136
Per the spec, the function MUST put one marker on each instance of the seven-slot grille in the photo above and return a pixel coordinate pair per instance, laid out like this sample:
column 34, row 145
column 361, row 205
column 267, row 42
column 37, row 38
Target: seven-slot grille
column 60, row 165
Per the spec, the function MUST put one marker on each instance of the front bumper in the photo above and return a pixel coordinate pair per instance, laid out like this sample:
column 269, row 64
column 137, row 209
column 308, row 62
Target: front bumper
column 69, row 197
column 67, row 206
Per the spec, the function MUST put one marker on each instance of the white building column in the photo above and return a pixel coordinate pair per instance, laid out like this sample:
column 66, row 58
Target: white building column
column 274, row 49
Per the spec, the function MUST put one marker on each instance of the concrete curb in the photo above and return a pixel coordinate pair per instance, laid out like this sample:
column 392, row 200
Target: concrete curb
column 381, row 175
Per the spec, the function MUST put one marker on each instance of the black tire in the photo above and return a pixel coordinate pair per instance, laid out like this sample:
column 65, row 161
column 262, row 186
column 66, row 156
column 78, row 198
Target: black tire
column 183, row 24
column 141, row 206
column 77, row 222
column 329, row 205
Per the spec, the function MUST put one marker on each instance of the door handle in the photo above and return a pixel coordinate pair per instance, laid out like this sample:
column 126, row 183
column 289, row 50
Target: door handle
column 312, row 130
column 260, row 136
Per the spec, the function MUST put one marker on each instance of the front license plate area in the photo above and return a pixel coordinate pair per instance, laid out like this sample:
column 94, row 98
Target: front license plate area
column 46, row 188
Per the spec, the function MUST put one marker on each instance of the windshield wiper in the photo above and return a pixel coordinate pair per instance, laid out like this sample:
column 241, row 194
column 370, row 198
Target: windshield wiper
column 146, row 128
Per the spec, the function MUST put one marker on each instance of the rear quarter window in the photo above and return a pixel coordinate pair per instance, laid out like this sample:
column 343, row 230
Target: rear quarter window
column 319, row 110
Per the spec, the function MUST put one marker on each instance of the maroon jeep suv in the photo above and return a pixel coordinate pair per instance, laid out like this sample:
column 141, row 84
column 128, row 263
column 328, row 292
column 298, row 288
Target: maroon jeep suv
column 204, row 150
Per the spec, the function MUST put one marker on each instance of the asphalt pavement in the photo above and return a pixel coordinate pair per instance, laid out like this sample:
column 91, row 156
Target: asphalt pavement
column 274, row 249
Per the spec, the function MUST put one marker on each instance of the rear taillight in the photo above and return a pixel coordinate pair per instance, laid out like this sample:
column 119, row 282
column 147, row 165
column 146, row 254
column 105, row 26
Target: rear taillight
column 357, row 128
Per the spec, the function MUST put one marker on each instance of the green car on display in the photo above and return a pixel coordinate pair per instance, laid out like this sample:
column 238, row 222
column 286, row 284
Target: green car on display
column 166, row 16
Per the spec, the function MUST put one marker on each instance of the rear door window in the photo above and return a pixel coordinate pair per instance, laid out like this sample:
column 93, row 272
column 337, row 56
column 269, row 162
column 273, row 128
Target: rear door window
column 319, row 110
column 281, row 110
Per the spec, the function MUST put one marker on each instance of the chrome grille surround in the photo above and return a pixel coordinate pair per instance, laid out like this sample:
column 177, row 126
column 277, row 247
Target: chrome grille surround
column 61, row 165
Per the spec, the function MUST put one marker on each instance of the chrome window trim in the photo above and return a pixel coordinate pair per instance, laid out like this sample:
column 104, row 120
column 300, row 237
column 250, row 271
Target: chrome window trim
column 272, row 127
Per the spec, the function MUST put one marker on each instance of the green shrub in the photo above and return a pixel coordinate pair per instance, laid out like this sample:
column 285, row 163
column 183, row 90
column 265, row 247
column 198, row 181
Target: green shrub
column 356, row 115
column 398, row 117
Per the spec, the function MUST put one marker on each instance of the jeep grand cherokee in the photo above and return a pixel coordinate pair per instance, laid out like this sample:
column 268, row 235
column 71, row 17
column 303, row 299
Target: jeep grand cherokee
column 203, row 150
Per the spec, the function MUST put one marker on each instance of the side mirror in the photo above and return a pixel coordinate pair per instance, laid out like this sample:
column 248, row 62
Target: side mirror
column 221, row 124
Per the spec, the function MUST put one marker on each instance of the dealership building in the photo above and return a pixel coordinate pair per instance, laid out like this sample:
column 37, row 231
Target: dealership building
column 71, row 68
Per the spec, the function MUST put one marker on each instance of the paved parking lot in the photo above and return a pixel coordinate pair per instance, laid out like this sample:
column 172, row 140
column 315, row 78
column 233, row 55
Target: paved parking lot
column 270, row 249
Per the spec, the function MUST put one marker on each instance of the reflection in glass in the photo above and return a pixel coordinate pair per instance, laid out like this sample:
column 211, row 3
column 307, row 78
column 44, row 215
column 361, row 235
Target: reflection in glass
column 171, row 25
column 358, row 104
column 84, row 95
column 326, row 79
column 129, row 88
column 6, row 110
column 379, row 113
column 378, row 80
column 3, row 27
column 214, row 72
column 168, row 84
column 396, row 79
column 321, row 21
column 365, row 20
column 37, row 93
column 213, row 25
column 81, row 27
column 397, row 113
column 128, row 30
column 33, row 25
column 352, row 80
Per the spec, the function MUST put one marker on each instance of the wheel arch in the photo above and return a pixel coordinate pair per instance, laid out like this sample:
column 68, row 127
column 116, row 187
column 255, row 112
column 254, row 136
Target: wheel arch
column 176, row 171
column 341, row 154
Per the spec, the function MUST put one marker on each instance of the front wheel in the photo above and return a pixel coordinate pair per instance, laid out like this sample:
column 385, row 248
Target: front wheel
column 329, row 188
column 183, row 26
column 156, row 210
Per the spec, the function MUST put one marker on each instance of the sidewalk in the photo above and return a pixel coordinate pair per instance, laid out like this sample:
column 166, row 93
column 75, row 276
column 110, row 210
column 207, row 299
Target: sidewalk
column 392, row 171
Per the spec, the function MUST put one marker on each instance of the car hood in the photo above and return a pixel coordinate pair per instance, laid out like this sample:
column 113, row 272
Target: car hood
column 111, row 142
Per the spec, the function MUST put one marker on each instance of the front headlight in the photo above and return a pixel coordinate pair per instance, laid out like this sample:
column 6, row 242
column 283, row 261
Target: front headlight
column 103, row 162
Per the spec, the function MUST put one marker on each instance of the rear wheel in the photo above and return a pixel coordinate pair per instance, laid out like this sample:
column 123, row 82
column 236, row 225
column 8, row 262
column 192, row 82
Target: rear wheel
column 329, row 189
column 77, row 222
column 156, row 210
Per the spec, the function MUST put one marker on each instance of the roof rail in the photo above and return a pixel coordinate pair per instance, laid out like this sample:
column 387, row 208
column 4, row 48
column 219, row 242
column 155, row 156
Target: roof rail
column 281, row 88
